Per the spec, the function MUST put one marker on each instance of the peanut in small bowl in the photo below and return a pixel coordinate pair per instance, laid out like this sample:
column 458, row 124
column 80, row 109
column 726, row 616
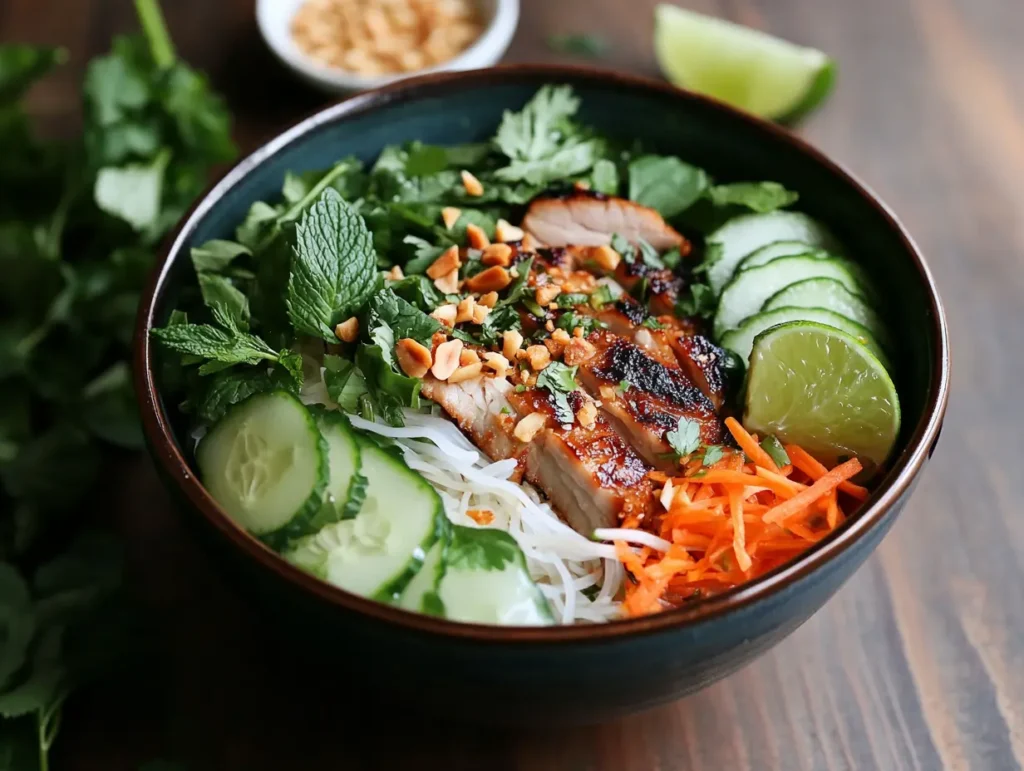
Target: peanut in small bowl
column 351, row 45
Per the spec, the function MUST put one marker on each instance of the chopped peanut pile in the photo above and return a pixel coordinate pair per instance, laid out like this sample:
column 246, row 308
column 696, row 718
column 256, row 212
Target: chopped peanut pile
column 374, row 37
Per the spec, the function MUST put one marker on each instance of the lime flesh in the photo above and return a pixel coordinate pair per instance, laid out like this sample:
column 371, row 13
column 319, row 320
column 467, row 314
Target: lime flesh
column 820, row 388
column 743, row 67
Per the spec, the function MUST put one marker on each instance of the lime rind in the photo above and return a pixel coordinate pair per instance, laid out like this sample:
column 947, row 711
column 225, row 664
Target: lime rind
column 820, row 388
column 744, row 67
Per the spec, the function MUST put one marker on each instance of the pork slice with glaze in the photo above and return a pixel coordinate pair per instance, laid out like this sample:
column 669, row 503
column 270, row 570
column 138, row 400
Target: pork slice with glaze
column 587, row 219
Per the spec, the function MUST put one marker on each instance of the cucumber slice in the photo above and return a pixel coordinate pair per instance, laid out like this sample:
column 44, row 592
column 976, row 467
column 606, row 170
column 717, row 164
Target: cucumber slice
column 421, row 593
column 381, row 549
column 749, row 289
column 741, row 339
column 486, row 582
column 779, row 249
column 265, row 463
column 831, row 295
column 743, row 235
column 346, row 489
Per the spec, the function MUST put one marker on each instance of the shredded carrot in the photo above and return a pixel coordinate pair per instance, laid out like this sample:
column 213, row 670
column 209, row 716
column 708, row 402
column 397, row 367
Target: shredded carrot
column 808, row 464
column 733, row 522
column 749, row 445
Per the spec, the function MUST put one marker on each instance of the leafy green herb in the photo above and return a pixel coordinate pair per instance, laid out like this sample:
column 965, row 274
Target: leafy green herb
column 685, row 437
column 652, row 323
column 559, row 380
column 215, row 256
column 665, row 183
column 697, row 300
column 334, row 268
column 601, row 297
column 403, row 318
column 646, row 253
column 572, row 299
column 541, row 142
column 519, row 285
column 672, row 258
column 480, row 548
column 604, row 177
column 624, row 385
column 712, row 454
column 771, row 445
column 572, row 320
column 578, row 44
column 756, row 196
column 388, row 389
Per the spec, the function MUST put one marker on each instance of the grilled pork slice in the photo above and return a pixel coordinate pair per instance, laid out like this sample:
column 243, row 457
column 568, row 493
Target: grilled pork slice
column 705, row 364
column 591, row 475
column 590, row 219
column 656, row 397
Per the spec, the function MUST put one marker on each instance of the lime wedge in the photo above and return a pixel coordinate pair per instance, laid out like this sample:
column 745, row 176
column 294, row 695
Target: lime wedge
column 744, row 67
column 822, row 389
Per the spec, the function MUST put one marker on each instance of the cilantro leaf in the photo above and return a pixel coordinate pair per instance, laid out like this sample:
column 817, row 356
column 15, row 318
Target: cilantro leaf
column 23, row 65
column 134, row 192
column 230, row 308
column 575, row 158
column 647, row 253
column 559, row 380
column 604, row 177
column 665, row 183
column 712, row 454
column 475, row 548
column 418, row 290
column 345, row 384
column 534, row 131
column 771, row 445
column 110, row 411
column 403, row 318
column 685, row 437
column 17, row 622
column 756, row 196
column 388, row 390
column 520, row 284
column 334, row 267
column 697, row 300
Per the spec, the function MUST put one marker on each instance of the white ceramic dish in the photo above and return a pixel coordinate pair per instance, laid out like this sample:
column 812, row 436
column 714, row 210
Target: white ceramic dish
column 274, row 19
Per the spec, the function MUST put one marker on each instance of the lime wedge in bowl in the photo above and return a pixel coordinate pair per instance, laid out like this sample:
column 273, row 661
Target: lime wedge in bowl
column 820, row 388
column 743, row 67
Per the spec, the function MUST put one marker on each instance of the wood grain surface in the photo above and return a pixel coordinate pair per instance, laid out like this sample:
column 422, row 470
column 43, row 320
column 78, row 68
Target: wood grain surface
column 918, row 663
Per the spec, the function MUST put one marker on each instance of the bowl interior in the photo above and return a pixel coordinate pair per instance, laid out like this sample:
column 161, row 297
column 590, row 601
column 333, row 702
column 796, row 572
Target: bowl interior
column 468, row 107
column 274, row 18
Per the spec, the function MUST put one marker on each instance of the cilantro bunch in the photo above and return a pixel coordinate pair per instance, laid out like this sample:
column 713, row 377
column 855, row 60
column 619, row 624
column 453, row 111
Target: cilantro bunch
column 79, row 223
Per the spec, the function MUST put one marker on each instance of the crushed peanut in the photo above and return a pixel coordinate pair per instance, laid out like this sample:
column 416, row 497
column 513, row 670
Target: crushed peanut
column 414, row 358
column 549, row 325
column 505, row 231
column 511, row 341
column 556, row 343
column 448, row 284
column 445, row 264
column 480, row 313
column 490, row 299
column 493, row 279
column 497, row 254
column 468, row 372
column 477, row 237
column 348, row 330
column 369, row 37
column 538, row 357
column 445, row 314
column 587, row 415
column 578, row 351
column 449, row 216
column 395, row 274
column 446, row 359
column 497, row 362
column 546, row 293
column 468, row 356
column 472, row 184
column 529, row 243
column 464, row 311
column 605, row 257
column 528, row 427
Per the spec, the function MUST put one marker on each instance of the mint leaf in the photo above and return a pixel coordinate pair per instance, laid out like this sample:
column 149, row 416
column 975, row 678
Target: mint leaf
column 229, row 388
column 230, row 308
column 216, row 255
column 474, row 548
column 685, row 438
column 334, row 267
column 404, row 318
column 210, row 342
column 756, row 196
column 665, row 183
column 771, row 445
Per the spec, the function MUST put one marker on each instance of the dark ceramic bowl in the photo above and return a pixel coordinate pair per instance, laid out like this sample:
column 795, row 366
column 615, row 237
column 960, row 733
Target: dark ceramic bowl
column 583, row 672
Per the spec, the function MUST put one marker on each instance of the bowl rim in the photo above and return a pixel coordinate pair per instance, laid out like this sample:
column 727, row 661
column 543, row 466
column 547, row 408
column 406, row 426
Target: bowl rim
column 493, row 41
column 162, row 446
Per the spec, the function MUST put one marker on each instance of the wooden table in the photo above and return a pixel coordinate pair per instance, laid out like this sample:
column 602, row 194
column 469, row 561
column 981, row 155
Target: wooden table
column 917, row 664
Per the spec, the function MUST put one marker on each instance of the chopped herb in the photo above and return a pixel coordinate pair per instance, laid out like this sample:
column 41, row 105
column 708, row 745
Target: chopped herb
column 520, row 388
column 572, row 299
column 534, row 308
column 665, row 183
column 559, row 380
column 712, row 454
column 601, row 297
column 771, row 445
column 505, row 410
column 757, row 196
column 652, row 323
column 624, row 385
column 672, row 258
column 572, row 320
column 685, row 438
column 698, row 300
column 586, row 46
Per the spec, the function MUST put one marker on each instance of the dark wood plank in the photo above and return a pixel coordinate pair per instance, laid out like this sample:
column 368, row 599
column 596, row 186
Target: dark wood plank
column 917, row 664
